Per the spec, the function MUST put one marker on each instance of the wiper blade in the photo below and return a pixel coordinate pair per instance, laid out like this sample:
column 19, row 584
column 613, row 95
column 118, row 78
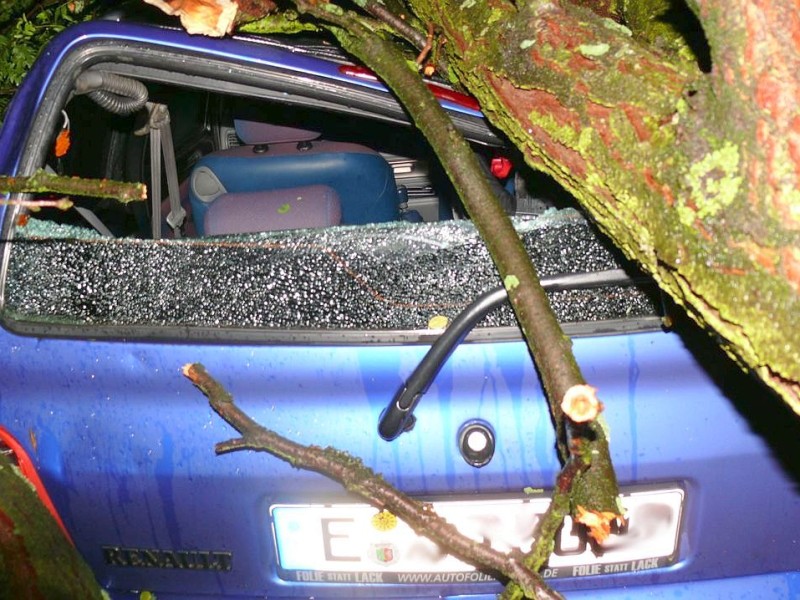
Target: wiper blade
column 398, row 416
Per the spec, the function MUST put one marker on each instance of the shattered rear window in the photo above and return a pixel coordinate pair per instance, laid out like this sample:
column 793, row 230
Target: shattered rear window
column 394, row 276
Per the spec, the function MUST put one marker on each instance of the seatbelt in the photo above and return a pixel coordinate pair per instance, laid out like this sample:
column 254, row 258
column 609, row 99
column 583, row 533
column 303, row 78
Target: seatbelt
column 94, row 221
column 87, row 214
column 161, row 143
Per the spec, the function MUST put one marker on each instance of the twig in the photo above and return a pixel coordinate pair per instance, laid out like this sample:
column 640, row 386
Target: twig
column 405, row 30
column 596, row 489
column 425, row 50
column 551, row 349
column 547, row 527
column 360, row 479
column 34, row 205
column 42, row 181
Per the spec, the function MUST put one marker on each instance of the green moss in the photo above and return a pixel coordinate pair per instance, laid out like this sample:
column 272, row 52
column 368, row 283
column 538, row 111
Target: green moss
column 713, row 182
column 682, row 107
column 332, row 8
column 283, row 22
column 564, row 133
column 666, row 24
column 618, row 27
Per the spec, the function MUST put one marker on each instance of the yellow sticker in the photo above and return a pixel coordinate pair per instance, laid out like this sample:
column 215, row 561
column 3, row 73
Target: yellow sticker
column 384, row 521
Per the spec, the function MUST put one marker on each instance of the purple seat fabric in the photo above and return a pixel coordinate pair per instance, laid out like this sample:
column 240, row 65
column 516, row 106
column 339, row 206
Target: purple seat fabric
column 292, row 208
column 253, row 132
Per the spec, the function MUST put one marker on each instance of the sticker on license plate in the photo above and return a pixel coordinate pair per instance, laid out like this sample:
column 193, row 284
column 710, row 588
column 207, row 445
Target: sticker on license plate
column 356, row 543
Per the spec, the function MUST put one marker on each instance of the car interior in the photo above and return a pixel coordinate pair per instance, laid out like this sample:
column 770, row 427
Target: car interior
column 245, row 167
column 240, row 165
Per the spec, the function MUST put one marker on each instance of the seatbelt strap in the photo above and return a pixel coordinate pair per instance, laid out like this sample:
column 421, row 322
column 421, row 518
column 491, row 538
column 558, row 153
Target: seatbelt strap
column 155, row 179
column 161, row 144
column 87, row 214
column 94, row 221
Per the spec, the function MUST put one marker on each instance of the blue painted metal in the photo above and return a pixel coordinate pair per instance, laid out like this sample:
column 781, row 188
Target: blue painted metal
column 124, row 443
column 774, row 586
column 125, row 447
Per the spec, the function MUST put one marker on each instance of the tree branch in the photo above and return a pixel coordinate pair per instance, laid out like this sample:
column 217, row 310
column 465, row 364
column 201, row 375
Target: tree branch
column 588, row 480
column 550, row 348
column 696, row 176
column 547, row 526
column 407, row 31
column 359, row 479
column 36, row 559
column 42, row 182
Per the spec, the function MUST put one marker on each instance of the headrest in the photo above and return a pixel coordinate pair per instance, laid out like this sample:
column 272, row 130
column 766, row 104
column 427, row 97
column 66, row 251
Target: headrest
column 253, row 132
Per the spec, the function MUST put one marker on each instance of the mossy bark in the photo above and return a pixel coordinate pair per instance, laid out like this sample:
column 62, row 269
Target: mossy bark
column 694, row 174
column 36, row 559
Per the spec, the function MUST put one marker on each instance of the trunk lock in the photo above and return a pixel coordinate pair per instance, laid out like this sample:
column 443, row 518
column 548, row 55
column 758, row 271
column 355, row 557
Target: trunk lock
column 476, row 442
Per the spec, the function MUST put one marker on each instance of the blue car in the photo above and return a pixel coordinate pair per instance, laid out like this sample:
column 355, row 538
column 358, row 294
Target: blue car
column 301, row 241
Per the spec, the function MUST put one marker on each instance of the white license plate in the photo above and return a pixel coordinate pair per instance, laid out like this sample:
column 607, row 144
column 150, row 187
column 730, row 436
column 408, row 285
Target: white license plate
column 347, row 543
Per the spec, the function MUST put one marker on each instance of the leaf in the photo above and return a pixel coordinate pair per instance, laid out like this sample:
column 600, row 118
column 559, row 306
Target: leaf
column 214, row 18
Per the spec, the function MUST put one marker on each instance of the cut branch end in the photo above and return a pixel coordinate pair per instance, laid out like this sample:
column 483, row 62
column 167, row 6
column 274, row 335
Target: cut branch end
column 580, row 403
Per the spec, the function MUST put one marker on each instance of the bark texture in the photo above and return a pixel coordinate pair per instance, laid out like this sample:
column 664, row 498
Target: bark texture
column 694, row 174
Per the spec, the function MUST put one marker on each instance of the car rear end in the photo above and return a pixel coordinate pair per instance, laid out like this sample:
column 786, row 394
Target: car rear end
column 314, row 332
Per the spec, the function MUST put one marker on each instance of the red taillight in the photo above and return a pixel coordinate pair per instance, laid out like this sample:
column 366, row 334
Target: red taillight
column 440, row 91
column 11, row 448
column 358, row 72
column 501, row 167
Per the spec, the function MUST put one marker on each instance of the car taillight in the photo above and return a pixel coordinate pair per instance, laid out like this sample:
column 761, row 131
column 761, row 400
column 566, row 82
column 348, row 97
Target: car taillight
column 501, row 167
column 10, row 447
column 440, row 91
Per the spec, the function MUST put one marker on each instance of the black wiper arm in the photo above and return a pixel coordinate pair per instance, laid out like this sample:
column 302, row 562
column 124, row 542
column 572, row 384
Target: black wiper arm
column 399, row 415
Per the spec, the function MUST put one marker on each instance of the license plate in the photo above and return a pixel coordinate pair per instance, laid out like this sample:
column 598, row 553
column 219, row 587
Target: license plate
column 356, row 543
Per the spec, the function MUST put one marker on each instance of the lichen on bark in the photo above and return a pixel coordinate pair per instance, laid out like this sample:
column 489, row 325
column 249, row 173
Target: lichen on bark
column 690, row 167
column 36, row 559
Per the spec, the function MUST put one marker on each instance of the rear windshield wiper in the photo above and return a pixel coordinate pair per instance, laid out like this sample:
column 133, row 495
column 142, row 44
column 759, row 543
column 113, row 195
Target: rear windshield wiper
column 398, row 416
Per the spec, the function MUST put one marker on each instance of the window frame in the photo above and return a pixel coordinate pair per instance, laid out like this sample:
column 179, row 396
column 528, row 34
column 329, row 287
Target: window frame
column 173, row 66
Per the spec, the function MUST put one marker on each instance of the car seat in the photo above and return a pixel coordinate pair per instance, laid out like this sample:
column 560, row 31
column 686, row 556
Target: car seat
column 285, row 177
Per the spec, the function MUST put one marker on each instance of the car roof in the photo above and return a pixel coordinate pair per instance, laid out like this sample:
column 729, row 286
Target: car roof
column 320, row 45
column 305, row 57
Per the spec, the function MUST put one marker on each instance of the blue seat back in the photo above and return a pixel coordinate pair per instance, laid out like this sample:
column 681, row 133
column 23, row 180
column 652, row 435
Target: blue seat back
column 362, row 179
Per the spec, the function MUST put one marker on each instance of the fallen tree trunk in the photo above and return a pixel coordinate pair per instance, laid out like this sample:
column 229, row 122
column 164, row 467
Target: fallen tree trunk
column 37, row 561
column 695, row 175
column 690, row 165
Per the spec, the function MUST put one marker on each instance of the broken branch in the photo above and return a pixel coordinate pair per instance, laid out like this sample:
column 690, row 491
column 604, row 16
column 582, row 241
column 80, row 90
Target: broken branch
column 360, row 479
column 45, row 182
